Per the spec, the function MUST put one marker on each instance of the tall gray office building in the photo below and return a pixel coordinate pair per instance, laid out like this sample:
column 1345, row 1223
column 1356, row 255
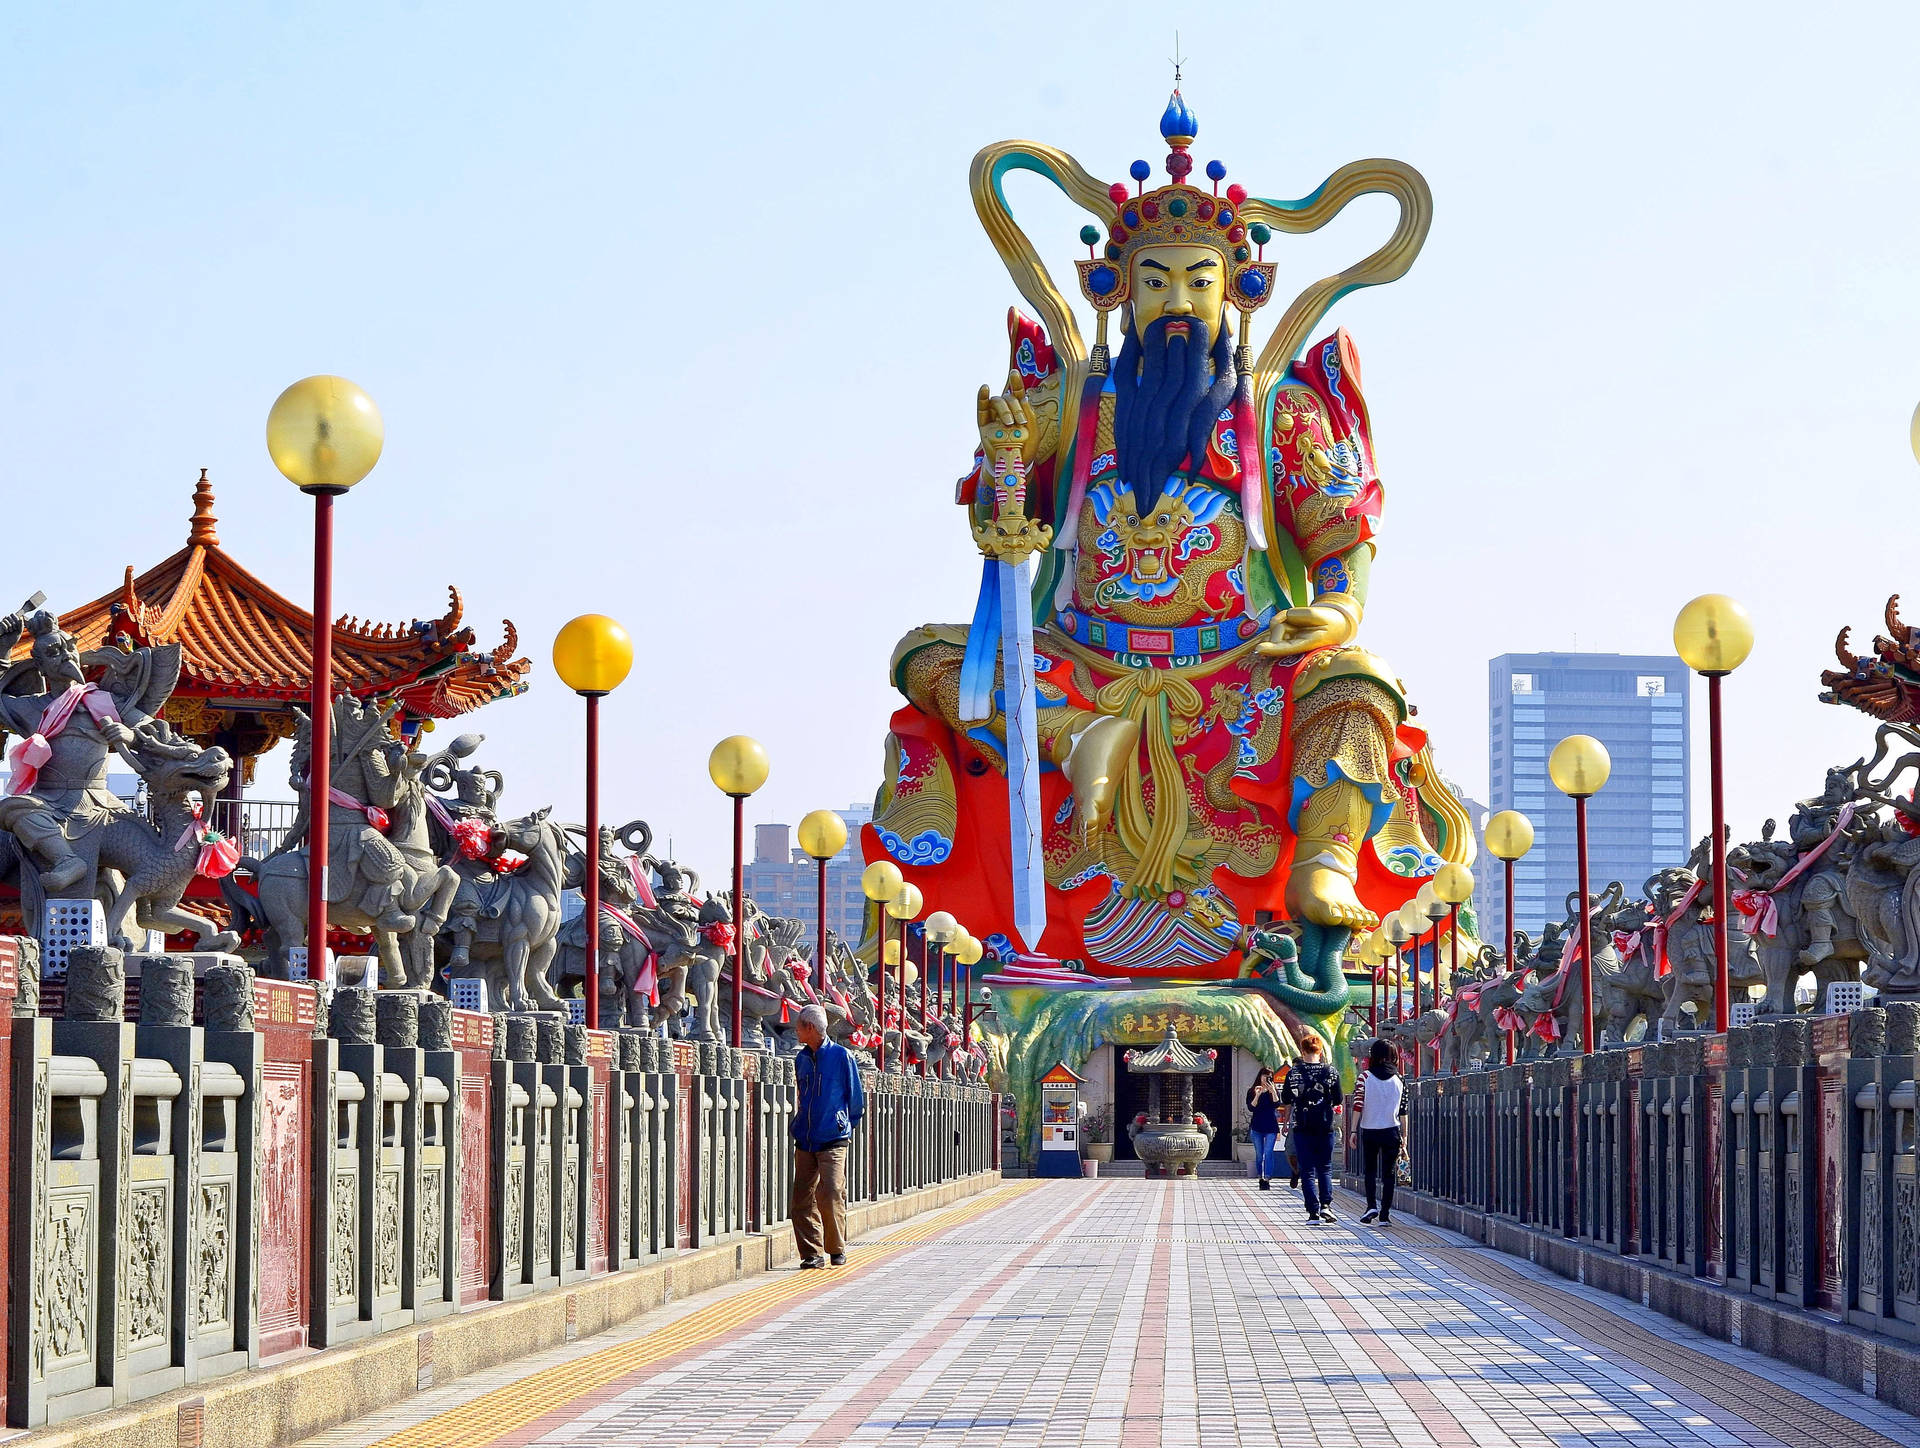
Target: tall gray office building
column 1636, row 705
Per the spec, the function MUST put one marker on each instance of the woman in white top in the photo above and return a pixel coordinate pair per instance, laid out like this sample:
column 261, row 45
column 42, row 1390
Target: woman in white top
column 1382, row 1103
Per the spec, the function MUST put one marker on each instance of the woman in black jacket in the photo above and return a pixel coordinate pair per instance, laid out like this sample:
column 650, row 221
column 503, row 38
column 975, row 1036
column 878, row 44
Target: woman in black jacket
column 1263, row 1124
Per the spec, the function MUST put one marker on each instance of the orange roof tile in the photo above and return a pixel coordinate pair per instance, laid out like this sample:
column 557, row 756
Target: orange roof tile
column 240, row 640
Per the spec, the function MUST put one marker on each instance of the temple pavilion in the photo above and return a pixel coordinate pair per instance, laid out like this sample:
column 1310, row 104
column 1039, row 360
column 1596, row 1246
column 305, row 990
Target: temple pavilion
column 246, row 661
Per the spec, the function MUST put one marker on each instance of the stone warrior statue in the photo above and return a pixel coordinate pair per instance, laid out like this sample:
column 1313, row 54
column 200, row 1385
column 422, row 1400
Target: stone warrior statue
column 1212, row 748
column 57, row 801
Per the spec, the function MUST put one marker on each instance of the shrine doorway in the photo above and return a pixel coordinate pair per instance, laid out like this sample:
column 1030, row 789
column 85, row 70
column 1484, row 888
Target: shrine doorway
column 1212, row 1096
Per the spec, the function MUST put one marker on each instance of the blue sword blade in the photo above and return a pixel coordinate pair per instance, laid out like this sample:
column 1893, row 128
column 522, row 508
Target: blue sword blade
column 1023, row 751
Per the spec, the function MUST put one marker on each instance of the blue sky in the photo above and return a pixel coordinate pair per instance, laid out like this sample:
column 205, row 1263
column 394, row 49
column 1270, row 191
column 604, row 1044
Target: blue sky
column 678, row 316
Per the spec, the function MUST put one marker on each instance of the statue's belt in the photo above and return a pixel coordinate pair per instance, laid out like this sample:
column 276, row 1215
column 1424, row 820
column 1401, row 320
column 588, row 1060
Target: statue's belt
column 1191, row 641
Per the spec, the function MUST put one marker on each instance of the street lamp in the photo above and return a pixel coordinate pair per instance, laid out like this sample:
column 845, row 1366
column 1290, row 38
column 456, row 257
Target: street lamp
column 1714, row 635
column 1509, row 836
column 1453, row 887
column 1373, row 955
column 592, row 655
column 967, row 951
column 904, row 906
column 1579, row 766
column 324, row 434
column 738, row 767
column 1397, row 934
column 880, row 882
column 941, row 928
column 1434, row 909
column 823, row 834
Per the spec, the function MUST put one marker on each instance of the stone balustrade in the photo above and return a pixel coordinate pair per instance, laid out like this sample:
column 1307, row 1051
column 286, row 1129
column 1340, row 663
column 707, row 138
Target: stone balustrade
column 253, row 1167
column 1778, row 1160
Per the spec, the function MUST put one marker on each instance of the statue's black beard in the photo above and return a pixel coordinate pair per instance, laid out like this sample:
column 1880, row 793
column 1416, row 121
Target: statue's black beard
column 1167, row 397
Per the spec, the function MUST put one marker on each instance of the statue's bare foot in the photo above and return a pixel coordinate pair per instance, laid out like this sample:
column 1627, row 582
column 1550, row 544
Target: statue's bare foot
column 1093, row 765
column 1816, row 952
column 1320, row 895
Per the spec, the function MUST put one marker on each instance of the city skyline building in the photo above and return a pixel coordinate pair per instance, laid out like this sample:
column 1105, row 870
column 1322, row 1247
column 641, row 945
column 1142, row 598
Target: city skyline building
column 1639, row 707
column 784, row 879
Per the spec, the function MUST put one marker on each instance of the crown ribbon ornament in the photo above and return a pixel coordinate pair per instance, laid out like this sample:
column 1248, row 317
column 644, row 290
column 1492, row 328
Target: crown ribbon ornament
column 1177, row 215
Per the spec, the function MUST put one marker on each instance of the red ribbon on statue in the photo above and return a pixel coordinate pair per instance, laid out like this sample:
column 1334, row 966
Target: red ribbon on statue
column 1507, row 1018
column 719, row 932
column 1762, row 914
column 218, row 854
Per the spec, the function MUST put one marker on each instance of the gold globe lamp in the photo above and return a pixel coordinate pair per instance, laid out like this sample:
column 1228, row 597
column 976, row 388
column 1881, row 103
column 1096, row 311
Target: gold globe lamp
column 967, row 951
column 942, row 930
column 823, row 835
column 1453, row 887
column 324, row 434
column 1714, row 635
column 881, row 881
column 738, row 766
column 903, row 906
column 1580, row 766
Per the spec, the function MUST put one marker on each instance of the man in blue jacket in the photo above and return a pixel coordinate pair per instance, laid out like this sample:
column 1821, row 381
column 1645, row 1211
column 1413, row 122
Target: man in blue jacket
column 831, row 1104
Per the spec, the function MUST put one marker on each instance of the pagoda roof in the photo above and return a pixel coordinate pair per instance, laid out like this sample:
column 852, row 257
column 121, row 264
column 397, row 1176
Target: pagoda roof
column 1170, row 1058
column 244, row 644
column 1886, row 683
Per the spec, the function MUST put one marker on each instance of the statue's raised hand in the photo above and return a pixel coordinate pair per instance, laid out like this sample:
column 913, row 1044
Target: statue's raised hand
column 1006, row 428
column 1302, row 630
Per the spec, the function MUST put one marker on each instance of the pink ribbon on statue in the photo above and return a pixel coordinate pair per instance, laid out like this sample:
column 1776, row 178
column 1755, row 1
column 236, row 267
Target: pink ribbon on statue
column 375, row 816
column 640, row 886
column 1626, row 943
column 1507, row 1018
column 649, row 976
column 26, row 757
column 1757, row 905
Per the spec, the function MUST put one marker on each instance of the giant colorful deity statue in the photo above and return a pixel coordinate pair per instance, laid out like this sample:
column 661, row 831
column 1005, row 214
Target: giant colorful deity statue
column 1161, row 731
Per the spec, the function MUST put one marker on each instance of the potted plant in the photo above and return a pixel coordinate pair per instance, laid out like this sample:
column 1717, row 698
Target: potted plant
column 1096, row 1134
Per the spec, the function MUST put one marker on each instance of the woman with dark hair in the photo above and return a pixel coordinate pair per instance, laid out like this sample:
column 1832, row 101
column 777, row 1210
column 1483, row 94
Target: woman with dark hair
column 1382, row 1102
column 1263, row 1124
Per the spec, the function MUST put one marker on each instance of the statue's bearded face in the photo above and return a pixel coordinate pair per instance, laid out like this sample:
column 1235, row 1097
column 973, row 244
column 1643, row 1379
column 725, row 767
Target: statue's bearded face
column 1178, row 282
column 1175, row 373
column 57, row 656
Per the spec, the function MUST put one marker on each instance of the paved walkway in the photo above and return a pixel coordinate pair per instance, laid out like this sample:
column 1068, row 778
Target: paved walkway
column 1134, row 1313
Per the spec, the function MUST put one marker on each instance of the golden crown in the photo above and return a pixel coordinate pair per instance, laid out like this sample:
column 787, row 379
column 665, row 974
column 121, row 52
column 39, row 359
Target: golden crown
column 1177, row 215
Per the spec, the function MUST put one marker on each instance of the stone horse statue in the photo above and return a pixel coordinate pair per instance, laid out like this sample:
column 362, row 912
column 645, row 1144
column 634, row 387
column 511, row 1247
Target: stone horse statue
column 516, row 927
column 648, row 937
column 384, row 877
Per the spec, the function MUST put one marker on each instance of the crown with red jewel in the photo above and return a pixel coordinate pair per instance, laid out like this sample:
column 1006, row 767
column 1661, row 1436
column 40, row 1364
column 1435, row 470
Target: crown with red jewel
column 1177, row 215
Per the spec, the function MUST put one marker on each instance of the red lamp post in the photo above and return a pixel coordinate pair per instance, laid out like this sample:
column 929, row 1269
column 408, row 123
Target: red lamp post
column 1579, row 767
column 823, row 834
column 1714, row 635
column 592, row 655
column 1509, row 836
column 324, row 434
column 738, row 767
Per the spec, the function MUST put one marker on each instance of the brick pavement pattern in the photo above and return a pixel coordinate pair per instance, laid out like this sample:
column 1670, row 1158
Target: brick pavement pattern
column 1138, row 1313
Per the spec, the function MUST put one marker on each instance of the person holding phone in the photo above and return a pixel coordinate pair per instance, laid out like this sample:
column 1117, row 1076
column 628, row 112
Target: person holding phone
column 1263, row 1124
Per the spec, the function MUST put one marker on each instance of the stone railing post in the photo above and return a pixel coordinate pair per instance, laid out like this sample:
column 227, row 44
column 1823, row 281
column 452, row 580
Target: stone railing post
column 1796, row 1097
column 1739, row 1159
column 520, row 1124
column 232, row 1172
column 61, row 1110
